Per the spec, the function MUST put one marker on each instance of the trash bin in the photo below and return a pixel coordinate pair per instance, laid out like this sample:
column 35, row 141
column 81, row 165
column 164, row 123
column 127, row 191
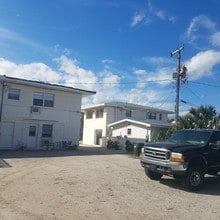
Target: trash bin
column 137, row 149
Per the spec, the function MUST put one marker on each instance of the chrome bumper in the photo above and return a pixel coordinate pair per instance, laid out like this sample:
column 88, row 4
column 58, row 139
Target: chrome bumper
column 164, row 167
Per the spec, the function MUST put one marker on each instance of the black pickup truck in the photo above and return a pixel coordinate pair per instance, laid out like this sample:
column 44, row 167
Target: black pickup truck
column 187, row 155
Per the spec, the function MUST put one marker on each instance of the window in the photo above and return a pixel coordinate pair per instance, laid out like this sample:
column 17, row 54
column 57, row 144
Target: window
column 89, row 114
column 13, row 93
column 128, row 113
column 160, row 117
column 99, row 113
column 38, row 99
column 47, row 130
column 151, row 115
column 129, row 131
column 32, row 131
column 48, row 100
column 43, row 99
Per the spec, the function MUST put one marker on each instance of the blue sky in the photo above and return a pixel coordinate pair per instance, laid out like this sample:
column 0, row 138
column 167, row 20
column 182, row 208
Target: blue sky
column 118, row 48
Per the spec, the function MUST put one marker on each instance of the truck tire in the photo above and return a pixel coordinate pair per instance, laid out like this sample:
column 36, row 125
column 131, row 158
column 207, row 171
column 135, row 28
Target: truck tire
column 194, row 178
column 153, row 175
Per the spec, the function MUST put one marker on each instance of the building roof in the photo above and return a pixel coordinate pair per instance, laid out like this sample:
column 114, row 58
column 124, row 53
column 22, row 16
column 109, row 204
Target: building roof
column 141, row 123
column 39, row 84
column 128, row 106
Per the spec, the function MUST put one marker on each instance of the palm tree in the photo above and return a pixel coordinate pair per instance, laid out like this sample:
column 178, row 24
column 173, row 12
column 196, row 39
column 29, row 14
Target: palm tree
column 201, row 117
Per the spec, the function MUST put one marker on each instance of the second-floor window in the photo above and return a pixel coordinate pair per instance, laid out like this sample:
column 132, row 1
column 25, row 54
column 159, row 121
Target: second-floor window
column 43, row 99
column 14, row 93
column 89, row 114
column 99, row 113
column 128, row 113
column 151, row 115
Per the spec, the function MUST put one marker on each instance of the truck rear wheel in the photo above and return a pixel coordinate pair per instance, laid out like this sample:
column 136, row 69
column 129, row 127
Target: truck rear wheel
column 194, row 178
column 153, row 175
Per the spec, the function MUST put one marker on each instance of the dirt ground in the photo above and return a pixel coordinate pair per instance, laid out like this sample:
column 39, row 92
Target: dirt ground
column 95, row 183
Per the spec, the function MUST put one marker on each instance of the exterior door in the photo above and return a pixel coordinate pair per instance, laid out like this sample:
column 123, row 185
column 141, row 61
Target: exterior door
column 32, row 136
column 98, row 136
column 6, row 135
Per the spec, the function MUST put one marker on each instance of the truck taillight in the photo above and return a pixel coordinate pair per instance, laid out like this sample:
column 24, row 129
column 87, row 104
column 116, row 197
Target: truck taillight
column 176, row 157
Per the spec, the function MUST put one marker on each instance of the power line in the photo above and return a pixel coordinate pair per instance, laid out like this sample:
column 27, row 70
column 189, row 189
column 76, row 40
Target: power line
column 197, row 96
column 116, row 83
column 205, row 84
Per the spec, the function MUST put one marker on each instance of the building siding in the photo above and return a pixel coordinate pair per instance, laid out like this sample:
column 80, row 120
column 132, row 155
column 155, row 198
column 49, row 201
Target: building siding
column 114, row 113
column 17, row 116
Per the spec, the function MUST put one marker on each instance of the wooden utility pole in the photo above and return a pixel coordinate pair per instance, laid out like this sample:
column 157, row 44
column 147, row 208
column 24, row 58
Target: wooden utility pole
column 177, row 77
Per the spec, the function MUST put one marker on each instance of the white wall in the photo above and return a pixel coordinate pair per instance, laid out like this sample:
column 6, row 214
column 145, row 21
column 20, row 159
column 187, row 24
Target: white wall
column 136, row 131
column 91, row 125
column 113, row 114
column 64, row 116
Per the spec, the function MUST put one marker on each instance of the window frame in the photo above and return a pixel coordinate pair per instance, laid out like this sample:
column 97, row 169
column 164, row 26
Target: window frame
column 99, row 113
column 89, row 114
column 14, row 93
column 32, row 132
column 45, row 129
column 152, row 115
column 48, row 102
column 128, row 113
column 43, row 99
column 129, row 131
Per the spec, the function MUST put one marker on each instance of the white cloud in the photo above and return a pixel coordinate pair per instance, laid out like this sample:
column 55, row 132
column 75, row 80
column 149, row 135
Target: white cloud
column 74, row 75
column 161, row 76
column 202, row 64
column 161, row 14
column 172, row 19
column 158, row 60
column 16, row 37
column 105, row 83
column 215, row 39
column 150, row 97
column 137, row 18
column 199, row 29
column 33, row 71
column 149, row 15
column 69, row 73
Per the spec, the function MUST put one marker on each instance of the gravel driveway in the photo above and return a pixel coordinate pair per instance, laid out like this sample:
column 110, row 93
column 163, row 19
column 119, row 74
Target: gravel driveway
column 95, row 183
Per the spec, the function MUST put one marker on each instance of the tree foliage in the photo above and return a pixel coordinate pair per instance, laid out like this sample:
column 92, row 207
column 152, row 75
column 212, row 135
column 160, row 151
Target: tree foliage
column 197, row 118
column 201, row 117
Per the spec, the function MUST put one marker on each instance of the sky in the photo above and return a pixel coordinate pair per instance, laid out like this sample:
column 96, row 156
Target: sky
column 118, row 48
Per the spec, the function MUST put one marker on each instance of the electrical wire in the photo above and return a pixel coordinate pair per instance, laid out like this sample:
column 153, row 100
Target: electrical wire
column 205, row 84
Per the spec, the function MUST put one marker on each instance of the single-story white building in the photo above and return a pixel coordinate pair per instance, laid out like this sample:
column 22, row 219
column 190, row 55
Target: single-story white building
column 135, row 131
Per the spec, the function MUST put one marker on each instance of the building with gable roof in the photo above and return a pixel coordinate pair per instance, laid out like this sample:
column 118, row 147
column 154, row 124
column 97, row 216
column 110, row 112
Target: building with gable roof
column 122, row 120
column 35, row 114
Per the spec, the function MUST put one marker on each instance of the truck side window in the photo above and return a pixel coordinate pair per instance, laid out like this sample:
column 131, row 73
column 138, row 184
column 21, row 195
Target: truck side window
column 215, row 137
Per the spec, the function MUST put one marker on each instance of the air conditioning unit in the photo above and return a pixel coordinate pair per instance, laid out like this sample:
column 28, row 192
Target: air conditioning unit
column 35, row 109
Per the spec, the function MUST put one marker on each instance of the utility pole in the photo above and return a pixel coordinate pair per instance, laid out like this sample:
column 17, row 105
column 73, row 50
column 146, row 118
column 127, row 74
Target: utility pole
column 177, row 76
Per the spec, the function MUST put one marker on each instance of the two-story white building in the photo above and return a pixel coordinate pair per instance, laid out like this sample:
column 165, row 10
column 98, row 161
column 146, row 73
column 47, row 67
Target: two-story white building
column 125, row 120
column 34, row 113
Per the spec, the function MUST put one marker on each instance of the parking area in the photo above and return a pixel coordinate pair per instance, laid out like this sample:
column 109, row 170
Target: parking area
column 95, row 183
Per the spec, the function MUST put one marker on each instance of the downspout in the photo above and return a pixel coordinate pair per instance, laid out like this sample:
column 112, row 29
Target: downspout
column 2, row 96
column 1, row 106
